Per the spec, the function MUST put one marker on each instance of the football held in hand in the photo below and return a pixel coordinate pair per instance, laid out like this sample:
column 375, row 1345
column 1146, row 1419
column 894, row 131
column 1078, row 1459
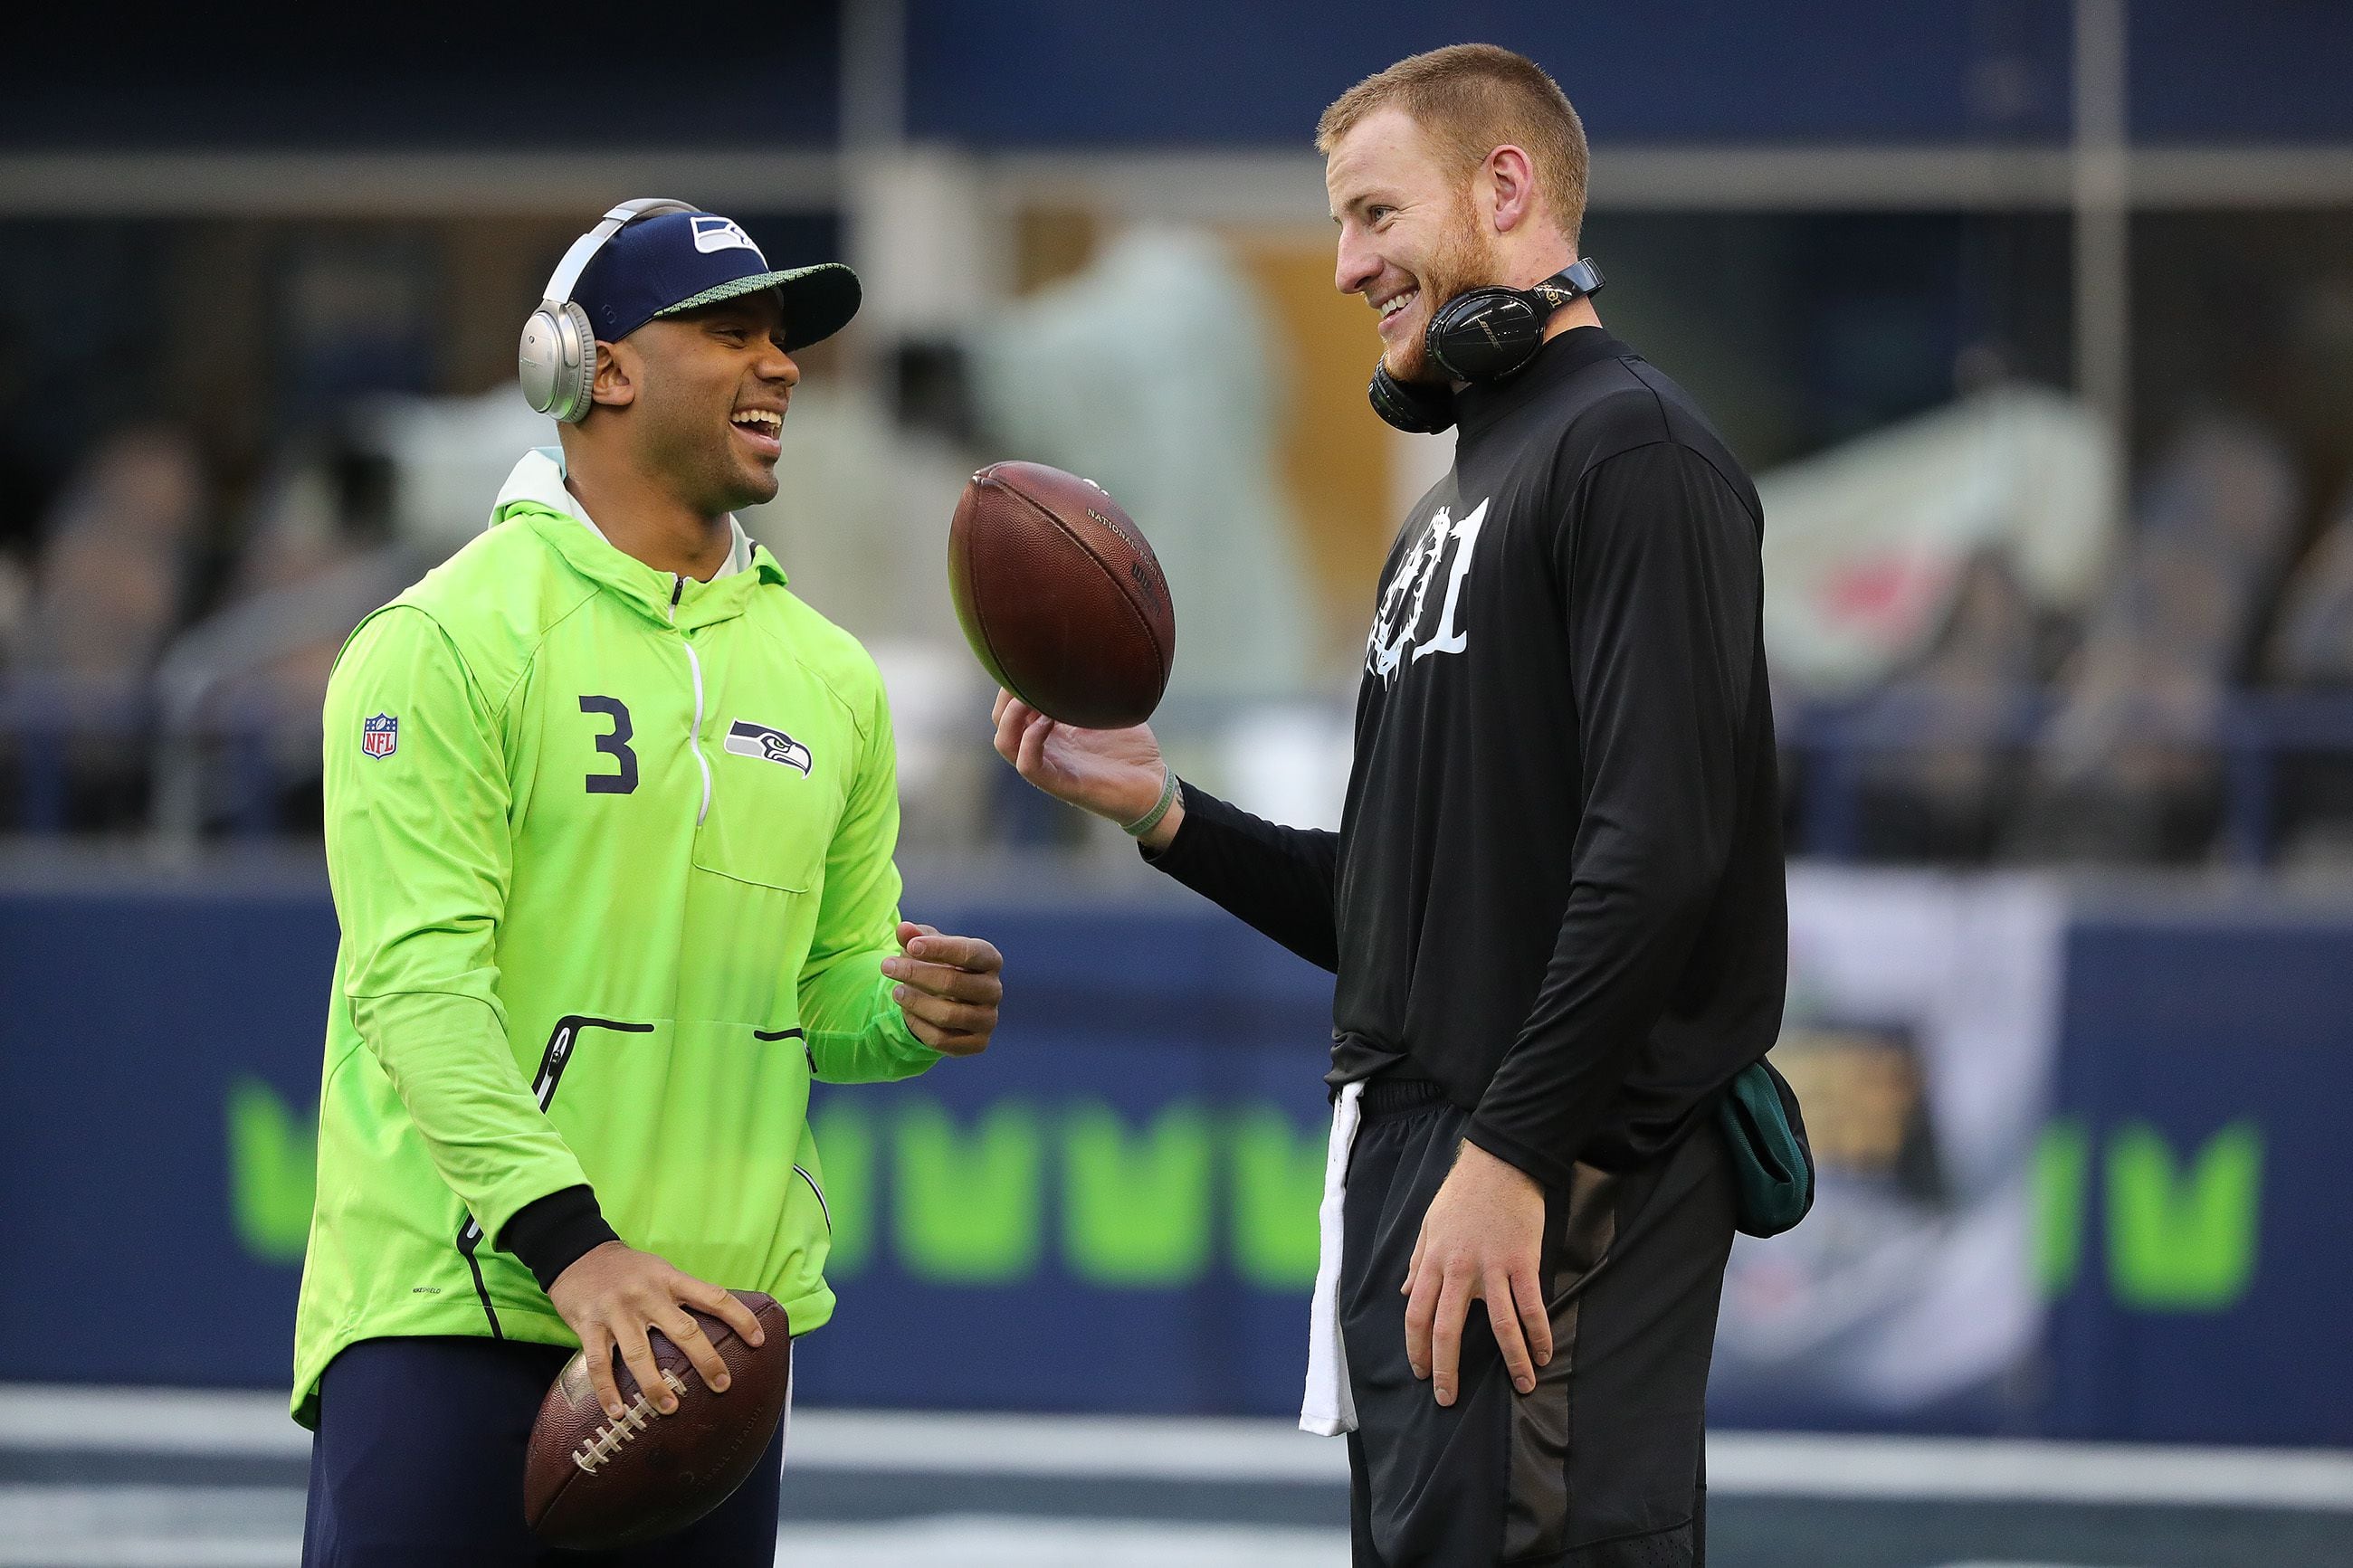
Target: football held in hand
column 1061, row 596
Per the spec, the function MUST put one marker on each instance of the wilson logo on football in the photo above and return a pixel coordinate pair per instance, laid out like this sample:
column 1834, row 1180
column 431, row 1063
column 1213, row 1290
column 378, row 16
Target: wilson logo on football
column 380, row 736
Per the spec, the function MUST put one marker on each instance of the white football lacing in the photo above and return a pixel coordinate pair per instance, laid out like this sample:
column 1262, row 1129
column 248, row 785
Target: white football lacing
column 609, row 1437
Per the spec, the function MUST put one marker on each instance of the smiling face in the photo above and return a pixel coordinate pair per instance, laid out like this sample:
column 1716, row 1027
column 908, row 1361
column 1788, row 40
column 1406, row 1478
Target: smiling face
column 709, row 394
column 1411, row 235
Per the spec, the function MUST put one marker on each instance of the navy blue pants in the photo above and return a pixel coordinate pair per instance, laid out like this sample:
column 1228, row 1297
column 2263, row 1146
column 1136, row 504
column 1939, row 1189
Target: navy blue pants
column 419, row 1459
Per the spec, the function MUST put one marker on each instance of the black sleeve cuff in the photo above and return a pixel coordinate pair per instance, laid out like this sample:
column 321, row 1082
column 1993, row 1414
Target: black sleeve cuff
column 549, row 1235
column 1545, row 1169
column 1181, row 850
column 1158, row 858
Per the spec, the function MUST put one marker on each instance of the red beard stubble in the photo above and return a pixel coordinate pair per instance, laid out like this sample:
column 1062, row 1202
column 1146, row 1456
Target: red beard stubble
column 1465, row 259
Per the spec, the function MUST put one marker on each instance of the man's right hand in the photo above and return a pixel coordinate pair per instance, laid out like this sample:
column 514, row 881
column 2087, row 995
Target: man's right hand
column 1115, row 774
column 612, row 1294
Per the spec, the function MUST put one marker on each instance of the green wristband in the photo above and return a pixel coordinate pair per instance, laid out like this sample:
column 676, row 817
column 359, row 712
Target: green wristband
column 1151, row 819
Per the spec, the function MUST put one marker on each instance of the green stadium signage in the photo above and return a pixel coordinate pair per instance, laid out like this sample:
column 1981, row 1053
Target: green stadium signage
column 981, row 1201
column 2180, row 1231
column 969, row 1201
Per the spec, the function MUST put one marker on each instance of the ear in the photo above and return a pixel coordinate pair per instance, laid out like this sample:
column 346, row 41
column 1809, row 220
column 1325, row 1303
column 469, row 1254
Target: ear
column 619, row 368
column 1511, row 182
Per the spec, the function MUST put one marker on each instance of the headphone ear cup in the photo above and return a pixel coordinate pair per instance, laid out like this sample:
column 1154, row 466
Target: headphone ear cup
column 579, row 366
column 557, row 362
column 536, row 359
column 1483, row 333
column 1416, row 410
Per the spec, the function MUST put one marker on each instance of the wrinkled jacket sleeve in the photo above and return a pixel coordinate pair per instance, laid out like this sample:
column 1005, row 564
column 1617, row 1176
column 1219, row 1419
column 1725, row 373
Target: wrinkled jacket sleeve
column 856, row 1032
column 418, row 853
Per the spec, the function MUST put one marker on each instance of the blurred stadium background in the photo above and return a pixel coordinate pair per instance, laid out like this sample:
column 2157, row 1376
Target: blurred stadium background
column 2035, row 319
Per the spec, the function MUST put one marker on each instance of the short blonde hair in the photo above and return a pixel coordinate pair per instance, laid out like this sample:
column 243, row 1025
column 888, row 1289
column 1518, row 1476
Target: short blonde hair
column 1469, row 99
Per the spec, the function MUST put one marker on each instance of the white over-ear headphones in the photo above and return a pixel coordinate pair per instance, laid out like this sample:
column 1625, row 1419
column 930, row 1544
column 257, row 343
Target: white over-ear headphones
column 557, row 362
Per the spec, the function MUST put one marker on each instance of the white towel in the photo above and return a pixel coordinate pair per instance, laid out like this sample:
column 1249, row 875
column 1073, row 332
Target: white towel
column 1329, row 1409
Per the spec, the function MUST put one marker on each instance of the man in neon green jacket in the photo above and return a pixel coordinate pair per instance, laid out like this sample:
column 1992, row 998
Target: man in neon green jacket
column 610, row 815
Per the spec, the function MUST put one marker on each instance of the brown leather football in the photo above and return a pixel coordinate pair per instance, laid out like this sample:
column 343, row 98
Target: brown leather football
column 592, row 1483
column 1060, row 595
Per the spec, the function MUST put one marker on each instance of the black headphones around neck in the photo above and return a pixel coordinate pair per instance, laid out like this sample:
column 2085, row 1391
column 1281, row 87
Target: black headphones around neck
column 1480, row 334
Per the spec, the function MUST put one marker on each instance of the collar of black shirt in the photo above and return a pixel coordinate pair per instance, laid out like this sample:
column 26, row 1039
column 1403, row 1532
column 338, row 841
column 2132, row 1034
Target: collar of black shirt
column 1479, row 406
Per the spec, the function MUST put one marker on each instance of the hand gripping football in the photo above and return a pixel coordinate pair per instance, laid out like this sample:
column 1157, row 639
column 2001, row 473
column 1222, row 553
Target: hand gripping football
column 591, row 1482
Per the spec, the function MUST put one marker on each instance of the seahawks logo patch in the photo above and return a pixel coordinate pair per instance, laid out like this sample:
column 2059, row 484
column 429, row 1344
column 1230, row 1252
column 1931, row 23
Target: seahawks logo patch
column 767, row 743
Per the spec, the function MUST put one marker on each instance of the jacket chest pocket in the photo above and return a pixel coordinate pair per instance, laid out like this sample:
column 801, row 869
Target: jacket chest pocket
column 772, row 812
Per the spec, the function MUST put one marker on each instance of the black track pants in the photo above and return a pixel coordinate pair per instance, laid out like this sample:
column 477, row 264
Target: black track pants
column 1602, row 1466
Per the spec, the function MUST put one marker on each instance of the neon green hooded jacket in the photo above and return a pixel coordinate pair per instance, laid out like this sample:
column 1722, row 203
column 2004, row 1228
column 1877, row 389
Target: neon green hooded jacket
column 611, row 850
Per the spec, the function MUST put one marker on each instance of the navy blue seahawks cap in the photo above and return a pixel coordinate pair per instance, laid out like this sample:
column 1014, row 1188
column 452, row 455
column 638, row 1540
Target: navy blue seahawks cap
column 681, row 261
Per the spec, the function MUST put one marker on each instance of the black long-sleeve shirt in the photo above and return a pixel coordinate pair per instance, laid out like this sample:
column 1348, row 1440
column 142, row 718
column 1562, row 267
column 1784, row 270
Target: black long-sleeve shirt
column 1556, row 889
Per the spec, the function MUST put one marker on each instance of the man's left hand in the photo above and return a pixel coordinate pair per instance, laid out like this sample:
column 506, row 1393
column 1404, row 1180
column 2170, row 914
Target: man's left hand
column 1483, row 1239
column 948, row 988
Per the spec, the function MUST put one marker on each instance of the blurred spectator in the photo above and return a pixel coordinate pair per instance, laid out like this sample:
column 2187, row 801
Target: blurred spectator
column 2312, row 641
column 111, row 577
column 1947, row 797
column 340, row 528
column 16, row 597
column 1914, row 568
column 240, row 694
column 1869, row 546
column 296, row 530
column 2126, row 769
column 109, row 584
column 2311, row 653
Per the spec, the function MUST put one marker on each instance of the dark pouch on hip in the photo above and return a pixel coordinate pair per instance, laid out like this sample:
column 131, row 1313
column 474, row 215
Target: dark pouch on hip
column 1771, row 1161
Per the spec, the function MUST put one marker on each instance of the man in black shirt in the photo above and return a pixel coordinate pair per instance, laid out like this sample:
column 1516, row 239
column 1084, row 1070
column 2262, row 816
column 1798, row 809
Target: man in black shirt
column 1554, row 904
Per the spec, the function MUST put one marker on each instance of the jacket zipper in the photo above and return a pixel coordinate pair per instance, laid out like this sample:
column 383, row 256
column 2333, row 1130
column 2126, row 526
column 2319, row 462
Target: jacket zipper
column 694, row 736
column 822, row 1206
column 551, row 1063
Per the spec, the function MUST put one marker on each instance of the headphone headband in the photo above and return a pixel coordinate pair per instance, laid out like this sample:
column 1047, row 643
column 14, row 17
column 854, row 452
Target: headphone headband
column 566, row 276
column 558, row 360
column 1571, row 284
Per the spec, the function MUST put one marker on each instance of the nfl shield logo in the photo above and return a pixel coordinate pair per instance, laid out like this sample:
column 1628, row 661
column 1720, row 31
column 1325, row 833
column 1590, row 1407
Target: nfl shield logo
column 380, row 736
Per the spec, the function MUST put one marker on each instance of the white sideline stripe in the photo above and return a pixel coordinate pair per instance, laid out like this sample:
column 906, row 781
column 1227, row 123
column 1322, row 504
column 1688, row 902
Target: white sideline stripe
column 1153, row 1448
column 184, row 1421
column 149, row 1421
column 150, row 1526
column 151, row 1552
column 983, row 1541
column 1803, row 1465
column 91, row 1527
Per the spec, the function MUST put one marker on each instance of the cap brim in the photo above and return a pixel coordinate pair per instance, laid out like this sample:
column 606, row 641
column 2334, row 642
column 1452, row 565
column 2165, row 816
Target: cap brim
column 819, row 300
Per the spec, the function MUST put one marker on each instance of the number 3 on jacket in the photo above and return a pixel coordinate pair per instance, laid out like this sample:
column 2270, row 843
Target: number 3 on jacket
column 615, row 744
